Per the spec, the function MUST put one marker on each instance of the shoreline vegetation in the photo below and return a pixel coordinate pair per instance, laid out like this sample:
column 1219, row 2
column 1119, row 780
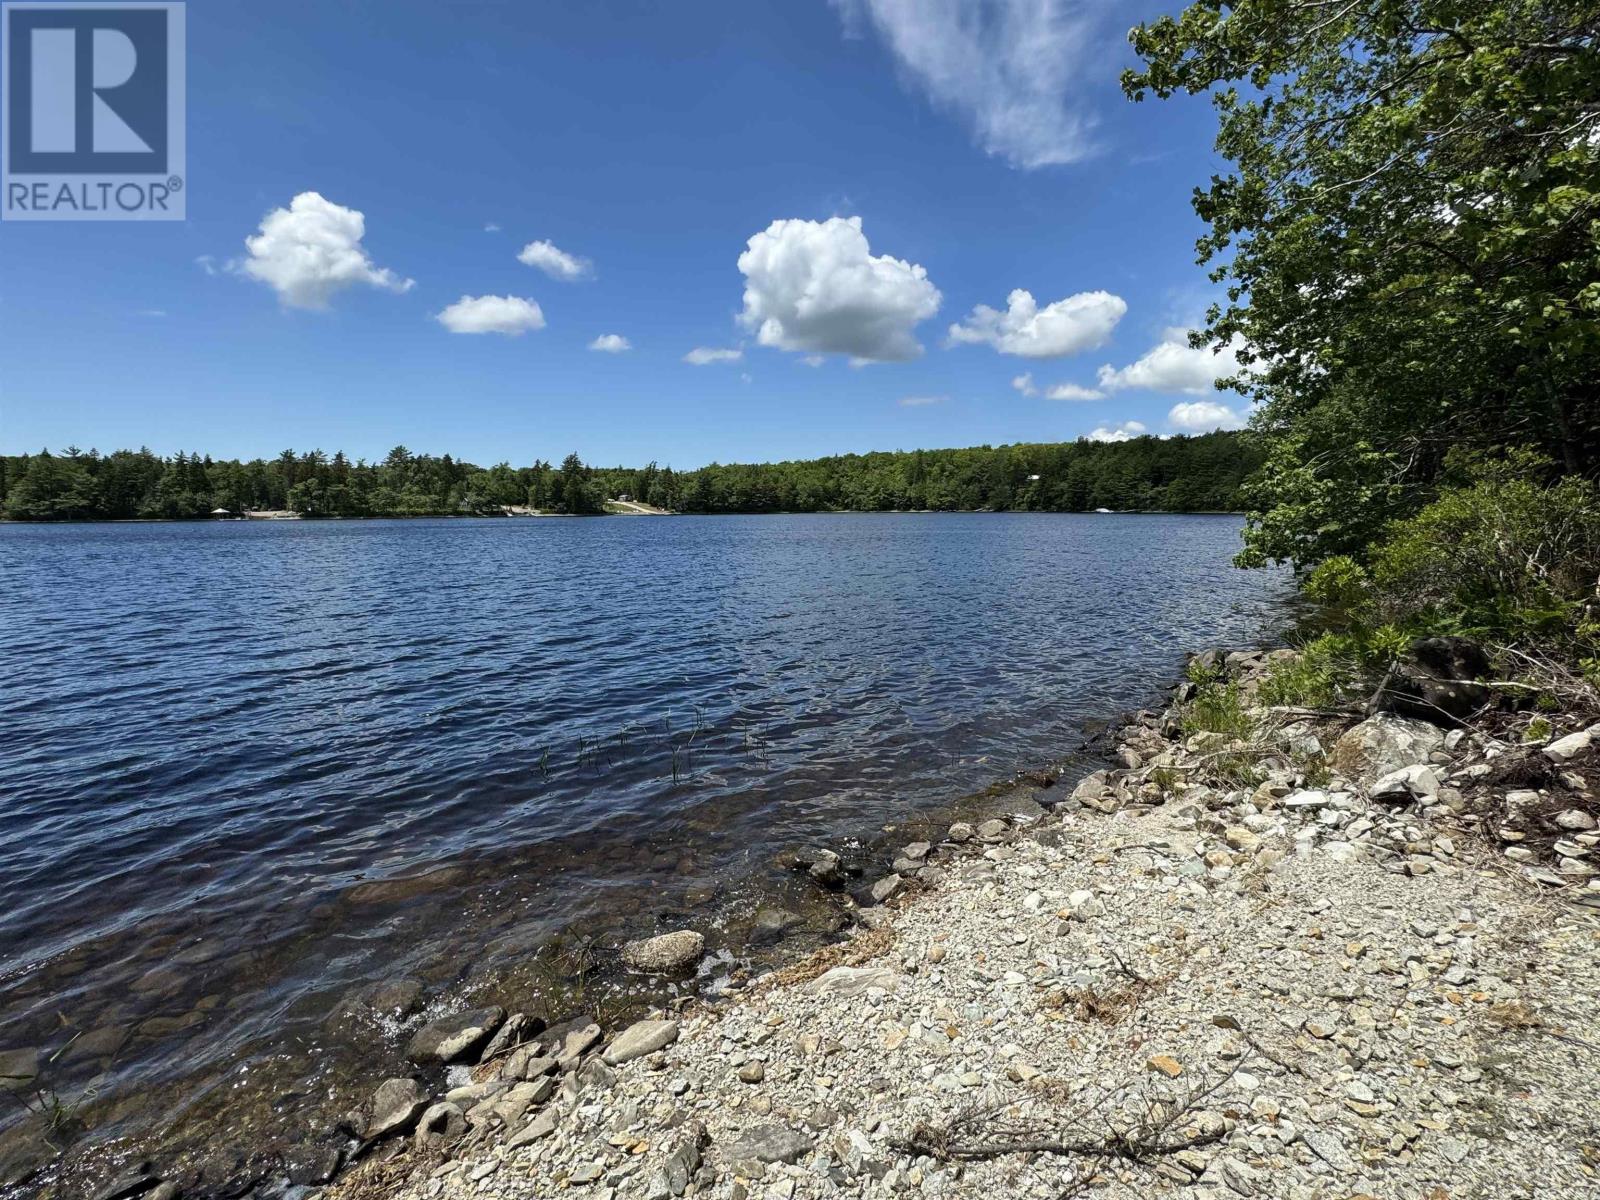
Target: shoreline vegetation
column 1182, row 474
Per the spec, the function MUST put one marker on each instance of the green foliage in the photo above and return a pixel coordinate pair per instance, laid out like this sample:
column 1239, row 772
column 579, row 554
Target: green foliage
column 1338, row 583
column 1503, row 557
column 1309, row 680
column 1216, row 708
column 1185, row 474
column 1409, row 234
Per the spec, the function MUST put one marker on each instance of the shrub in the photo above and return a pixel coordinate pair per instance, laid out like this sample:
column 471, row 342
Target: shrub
column 1216, row 708
column 1503, row 557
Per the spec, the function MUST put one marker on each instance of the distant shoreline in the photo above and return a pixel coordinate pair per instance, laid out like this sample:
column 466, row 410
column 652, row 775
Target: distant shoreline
column 264, row 519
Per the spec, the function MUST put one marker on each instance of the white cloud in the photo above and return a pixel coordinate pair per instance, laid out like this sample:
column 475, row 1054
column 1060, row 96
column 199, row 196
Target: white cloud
column 1202, row 416
column 207, row 263
column 1071, row 326
column 611, row 343
column 1061, row 391
column 152, row 312
column 509, row 315
column 491, row 227
column 813, row 360
column 1175, row 366
column 557, row 264
column 1125, row 432
column 816, row 286
column 1009, row 68
column 921, row 401
column 702, row 356
column 312, row 250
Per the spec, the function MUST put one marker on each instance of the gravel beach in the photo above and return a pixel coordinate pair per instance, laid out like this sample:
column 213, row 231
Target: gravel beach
column 1337, row 980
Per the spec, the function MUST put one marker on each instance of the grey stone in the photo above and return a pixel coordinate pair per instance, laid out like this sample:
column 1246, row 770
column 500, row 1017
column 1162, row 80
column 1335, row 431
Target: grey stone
column 1569, row 747
column 1384, row 743
column 1416, row 782
column 394, row 1108
column 852, row 981
column 455, row 1038
column 1328, row 1148
column 18, row 1069
column 541, row 1126
column 762, row 1144
column 645, row 1037
column 886, row 887
column 665, row 954
column 441, row 1125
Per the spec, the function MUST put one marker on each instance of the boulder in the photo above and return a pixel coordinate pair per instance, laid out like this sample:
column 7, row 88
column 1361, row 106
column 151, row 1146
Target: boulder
column 441, row 1125
column 665, row 954
column 1437, row 681
column 1384, row 743
column 886, row 888
column 394, row 1108
column 645, row 1037
column 456, row 1038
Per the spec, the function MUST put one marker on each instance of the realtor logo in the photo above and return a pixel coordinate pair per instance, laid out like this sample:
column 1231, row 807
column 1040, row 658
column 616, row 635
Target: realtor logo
column 92, row 112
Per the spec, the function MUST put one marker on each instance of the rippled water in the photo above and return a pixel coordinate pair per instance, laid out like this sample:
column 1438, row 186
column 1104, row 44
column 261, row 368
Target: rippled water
column 249, row 766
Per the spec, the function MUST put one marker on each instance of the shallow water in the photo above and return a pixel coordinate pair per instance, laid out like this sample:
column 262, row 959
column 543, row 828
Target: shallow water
column 251, row 766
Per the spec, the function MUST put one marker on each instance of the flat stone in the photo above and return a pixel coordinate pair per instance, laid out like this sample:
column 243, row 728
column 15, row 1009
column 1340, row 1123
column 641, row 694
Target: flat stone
column 1569, row 747
column 455, row 1038
column 666, row 954
column 395, row 1107
column 852, row 981
column 886, row 887
column 762, row 1144
column 18, row 1069
column 1328, row 1148
column 541, row 1126
column 1576, row 820
column 1166, row 1065
column 645, row 1037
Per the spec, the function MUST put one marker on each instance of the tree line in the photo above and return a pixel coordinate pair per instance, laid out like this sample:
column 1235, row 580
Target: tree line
column 1180, row 474
column 1406, row 243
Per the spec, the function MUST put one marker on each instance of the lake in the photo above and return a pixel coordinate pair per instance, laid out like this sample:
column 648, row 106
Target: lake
column 253, row 767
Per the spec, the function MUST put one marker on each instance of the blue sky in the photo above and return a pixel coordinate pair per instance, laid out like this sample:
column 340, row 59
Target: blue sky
column 983, row 147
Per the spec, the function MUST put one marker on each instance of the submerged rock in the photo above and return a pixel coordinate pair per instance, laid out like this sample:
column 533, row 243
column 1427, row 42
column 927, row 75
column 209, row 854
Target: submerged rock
column 666, row 954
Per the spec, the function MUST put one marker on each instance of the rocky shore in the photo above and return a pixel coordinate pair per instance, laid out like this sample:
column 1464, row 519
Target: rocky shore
column 1269, row 951
column 1324, row 956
